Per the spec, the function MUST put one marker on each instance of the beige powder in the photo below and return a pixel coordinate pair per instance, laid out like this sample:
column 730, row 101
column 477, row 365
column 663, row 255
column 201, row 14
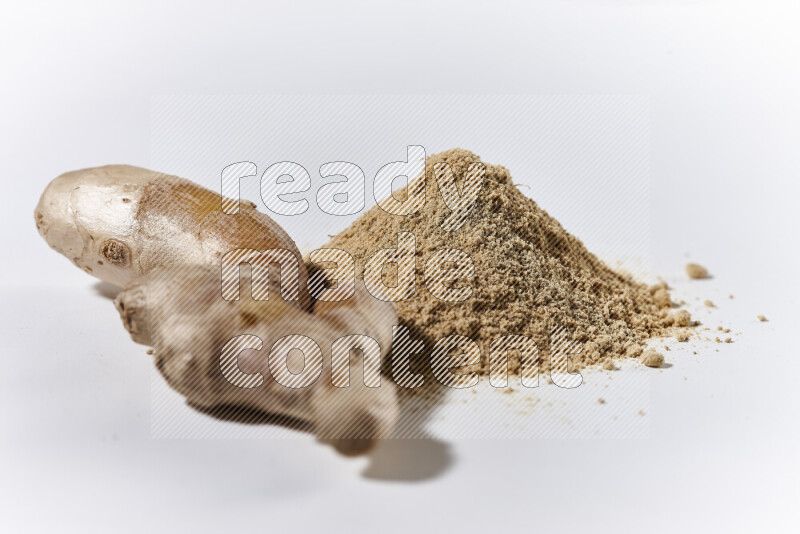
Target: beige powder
column 652, row 358
column 531, row 275
column 697, row 271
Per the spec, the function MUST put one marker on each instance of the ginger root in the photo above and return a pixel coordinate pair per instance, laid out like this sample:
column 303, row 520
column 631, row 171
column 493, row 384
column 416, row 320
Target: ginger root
column 162, row 239
column 119, row 222
column 178, row 310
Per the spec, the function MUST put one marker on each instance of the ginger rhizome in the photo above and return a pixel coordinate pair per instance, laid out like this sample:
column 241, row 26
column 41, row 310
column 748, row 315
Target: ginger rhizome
column 162, row 238
column 119, row 222
column 268, row 355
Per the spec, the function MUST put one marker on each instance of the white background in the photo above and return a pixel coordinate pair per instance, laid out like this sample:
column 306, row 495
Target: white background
column 722, row 80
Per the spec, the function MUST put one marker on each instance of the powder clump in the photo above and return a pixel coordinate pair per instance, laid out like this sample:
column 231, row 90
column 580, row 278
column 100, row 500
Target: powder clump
column 531, row 275
column 652, row 358
column 697, row 271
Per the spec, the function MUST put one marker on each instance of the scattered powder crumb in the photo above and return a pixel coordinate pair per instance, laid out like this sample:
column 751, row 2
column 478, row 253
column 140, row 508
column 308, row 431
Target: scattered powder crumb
column 762, row 318
column 682, row 337
column 608, row 365
column 727, row 331
column 730, row 296
column 708, row 303
column 149, row 351
column 633, row 351
column 682, row 318
column 652, row 358
column 601, row 400
column 641, row 412
column 728, row 340
column 696, row 271
column 718, row 340
column 719, row 328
